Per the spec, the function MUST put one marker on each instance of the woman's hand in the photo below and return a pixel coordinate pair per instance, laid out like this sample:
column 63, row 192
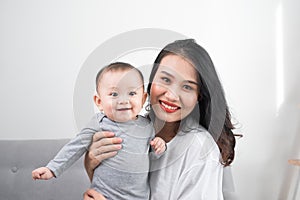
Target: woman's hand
column 104, row 145
column 91, row 194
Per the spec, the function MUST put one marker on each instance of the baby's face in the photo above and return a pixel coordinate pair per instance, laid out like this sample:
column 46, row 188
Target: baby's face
column 121, row 95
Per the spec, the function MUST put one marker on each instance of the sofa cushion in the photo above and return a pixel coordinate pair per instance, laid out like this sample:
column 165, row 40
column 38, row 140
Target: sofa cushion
column 17, row 160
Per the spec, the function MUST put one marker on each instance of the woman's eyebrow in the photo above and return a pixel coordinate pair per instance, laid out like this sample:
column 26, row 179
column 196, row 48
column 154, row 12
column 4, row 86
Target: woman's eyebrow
column 167, row 73
column 188, row 81
column 191, row 82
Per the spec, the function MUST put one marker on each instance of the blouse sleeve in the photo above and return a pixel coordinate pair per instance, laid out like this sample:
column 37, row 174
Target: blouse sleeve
column 202, row 181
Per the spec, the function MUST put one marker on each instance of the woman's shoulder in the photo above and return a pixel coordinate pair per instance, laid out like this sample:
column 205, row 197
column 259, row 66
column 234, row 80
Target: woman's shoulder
column 199, row 133
column 203, row 144
column 200, row 129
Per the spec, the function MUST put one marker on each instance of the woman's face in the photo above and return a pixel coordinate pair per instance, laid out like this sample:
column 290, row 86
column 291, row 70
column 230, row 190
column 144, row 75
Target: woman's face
column 174, row 90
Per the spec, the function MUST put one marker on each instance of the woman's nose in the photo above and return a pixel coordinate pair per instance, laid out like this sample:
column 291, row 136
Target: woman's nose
column 172, row 94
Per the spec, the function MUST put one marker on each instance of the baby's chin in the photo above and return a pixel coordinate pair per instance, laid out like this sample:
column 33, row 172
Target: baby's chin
column 123, row 119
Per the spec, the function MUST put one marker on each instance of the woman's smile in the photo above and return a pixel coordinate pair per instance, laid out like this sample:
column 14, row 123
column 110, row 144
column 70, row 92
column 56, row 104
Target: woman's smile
column 168, row 107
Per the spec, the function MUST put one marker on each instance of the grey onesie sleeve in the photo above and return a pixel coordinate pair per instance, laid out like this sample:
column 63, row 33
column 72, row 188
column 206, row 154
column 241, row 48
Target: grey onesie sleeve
column 74, row 149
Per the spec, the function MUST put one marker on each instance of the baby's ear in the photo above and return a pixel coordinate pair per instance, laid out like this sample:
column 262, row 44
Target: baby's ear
column 144, row 98
column 97, row 101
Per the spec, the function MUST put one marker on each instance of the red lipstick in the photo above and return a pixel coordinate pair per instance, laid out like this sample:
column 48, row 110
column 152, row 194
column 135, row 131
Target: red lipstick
column 168, row 107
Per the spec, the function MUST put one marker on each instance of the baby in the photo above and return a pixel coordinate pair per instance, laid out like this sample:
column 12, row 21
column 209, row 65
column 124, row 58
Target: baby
column 120, row 97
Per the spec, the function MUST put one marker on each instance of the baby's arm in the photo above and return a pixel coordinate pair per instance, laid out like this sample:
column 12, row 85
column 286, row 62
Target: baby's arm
column 158, row 144
column 42, row 173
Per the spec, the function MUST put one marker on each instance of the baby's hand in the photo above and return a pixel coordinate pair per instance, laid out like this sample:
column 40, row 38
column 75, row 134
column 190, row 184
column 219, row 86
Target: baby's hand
column 42, row 173
column 158, row 145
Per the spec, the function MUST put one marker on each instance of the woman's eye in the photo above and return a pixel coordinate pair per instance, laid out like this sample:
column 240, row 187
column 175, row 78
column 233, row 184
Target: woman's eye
column 114, row 94
column 132, row 93
column 166, row 80
column 187, row 87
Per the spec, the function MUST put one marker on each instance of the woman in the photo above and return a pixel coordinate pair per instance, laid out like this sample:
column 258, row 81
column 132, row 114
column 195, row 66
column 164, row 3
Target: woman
column 189, row 111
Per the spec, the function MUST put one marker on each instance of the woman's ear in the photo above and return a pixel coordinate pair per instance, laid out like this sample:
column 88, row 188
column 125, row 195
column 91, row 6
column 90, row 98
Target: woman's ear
column 97, row 101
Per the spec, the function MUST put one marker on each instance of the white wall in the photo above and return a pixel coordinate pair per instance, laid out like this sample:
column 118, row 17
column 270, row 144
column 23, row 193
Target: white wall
column 45, row 43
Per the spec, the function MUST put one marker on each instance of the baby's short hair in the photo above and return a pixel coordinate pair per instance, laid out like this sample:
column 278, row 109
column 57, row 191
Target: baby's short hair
column 116, row 66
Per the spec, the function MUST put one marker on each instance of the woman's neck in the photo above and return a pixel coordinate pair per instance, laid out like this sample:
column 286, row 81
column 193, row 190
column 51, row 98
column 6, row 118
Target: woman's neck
column 166, row 130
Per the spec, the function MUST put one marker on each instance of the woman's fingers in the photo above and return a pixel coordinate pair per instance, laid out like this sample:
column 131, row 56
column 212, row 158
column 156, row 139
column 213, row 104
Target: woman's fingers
column 105, row 138
column 104, row 150
column 91, row 194
column 104, row 156
column 103, row 134
column 104, row 146
column 87, row 196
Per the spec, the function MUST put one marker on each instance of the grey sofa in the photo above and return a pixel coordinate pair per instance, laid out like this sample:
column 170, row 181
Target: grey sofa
column 19, row 157
column 17, row 160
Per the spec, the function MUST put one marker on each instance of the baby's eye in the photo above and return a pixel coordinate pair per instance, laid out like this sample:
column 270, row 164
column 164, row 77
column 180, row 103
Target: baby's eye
column 132, row 93
column 114, row 94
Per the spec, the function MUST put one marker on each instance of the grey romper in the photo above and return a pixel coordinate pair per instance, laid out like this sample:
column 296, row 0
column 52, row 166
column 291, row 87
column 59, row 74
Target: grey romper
column 124, row 176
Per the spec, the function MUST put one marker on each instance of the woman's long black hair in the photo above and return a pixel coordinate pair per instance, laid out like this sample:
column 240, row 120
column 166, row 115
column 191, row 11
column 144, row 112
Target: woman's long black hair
column 213, row 109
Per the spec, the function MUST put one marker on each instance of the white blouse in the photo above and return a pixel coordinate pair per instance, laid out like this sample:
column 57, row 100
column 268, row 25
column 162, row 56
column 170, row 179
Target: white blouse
column 190, row 169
